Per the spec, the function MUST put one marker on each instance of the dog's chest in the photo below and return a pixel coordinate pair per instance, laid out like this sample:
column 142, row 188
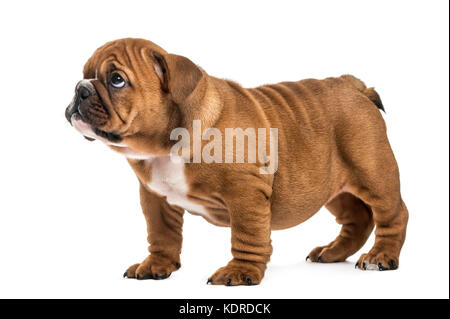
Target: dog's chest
column 168, row 179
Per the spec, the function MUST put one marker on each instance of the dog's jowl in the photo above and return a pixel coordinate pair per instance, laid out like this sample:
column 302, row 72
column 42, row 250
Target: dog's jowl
column 295, row 147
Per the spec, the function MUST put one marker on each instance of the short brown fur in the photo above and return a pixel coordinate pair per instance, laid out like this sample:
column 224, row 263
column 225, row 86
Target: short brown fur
column 333, row 152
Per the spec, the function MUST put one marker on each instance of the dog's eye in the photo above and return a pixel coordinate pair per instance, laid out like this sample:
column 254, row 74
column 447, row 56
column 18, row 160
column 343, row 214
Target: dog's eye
column 117, row 80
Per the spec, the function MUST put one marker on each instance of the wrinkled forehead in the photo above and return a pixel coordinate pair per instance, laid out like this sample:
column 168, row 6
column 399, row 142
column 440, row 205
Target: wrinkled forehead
column 124, row 54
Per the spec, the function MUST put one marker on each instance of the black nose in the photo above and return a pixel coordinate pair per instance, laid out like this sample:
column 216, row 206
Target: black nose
column 83, row 92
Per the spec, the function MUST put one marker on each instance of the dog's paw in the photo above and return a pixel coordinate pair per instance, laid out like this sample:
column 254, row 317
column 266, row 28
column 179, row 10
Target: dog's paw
column 326, row 254
column 238, row 273
column 377, row 261
column 315, row 255
column 153, row 267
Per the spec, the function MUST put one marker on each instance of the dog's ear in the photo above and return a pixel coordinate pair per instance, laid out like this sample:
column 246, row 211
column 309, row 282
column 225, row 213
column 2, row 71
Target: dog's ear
column 179, row 76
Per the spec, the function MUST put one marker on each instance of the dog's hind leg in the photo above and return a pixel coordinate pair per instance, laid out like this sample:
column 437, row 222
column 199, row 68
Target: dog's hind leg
column 390, row 216
column 373, row 177
column 357, row 224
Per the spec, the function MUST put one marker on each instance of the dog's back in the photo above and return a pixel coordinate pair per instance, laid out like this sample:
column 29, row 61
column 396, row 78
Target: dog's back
column 320, row 123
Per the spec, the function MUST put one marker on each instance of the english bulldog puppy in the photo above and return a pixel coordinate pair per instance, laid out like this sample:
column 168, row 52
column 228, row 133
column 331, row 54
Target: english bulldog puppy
column 305, row 145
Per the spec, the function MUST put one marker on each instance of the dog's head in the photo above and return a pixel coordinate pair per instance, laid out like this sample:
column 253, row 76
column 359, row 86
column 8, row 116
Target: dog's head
column 133, row 94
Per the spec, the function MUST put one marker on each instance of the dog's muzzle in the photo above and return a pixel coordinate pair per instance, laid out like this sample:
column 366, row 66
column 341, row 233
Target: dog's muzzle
column 86, row 115
column 83, row 91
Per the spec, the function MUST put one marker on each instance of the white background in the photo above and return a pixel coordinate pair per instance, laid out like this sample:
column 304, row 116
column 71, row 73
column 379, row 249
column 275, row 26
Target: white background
column 70, row 221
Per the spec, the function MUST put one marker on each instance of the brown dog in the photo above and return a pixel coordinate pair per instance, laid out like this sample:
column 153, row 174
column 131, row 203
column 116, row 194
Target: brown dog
column 332, row 151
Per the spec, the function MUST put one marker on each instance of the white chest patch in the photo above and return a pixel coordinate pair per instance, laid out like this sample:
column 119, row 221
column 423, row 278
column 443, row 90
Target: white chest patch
column 168, row 180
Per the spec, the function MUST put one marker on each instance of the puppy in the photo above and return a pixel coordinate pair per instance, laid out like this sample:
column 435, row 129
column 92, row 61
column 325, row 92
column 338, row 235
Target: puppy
column 327, row 141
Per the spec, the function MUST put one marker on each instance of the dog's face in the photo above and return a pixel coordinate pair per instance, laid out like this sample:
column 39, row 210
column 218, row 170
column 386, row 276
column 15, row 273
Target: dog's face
column 132, row 95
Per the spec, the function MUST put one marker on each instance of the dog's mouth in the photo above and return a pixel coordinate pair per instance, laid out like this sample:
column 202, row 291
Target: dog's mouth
column 92, row 133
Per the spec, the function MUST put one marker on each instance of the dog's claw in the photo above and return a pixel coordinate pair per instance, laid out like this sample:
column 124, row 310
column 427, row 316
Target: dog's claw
column 229, row 282
column 146, row 276
column 356, row 265
column 381, row 267
column 307, row 257
column 249, row 281
column 393, row 265
column 125, row 274
column 177, row 265
column 364, row 266
column 319, row 259
column 209, row 281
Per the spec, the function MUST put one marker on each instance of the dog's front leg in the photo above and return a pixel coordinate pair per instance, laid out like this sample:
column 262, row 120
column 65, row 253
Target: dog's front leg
column 164, row 227
column 250, row 239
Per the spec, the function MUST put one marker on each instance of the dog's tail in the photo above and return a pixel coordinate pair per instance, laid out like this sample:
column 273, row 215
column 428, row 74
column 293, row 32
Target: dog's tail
column 369, row 92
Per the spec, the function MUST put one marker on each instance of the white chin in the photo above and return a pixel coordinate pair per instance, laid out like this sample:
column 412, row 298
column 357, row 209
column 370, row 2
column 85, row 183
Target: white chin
column 86, row 129
column 82, row 127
